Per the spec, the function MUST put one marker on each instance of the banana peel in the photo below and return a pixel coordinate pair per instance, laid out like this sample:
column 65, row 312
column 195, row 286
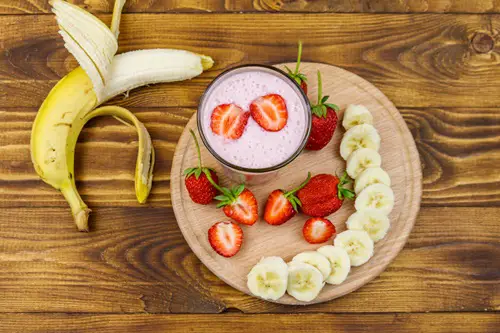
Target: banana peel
column 73, row 101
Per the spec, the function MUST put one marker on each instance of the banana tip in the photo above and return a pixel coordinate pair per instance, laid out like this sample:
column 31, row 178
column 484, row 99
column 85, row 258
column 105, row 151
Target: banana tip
column 82, row 220
column 206, row 62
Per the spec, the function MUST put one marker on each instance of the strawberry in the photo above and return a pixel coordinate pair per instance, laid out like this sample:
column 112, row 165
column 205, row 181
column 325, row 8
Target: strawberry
column 225, row 238
column 239, row 203
column 270, row 112
column 318, row 230
column 229, row 121
column 300, row 78
column 198, row 186
column 324, row 121
column 324, row 195
column 281, row 206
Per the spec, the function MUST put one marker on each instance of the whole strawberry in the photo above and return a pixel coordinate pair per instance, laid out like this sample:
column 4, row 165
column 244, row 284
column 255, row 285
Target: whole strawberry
column 198, row 186
column 324, row 121
column 300, row 78
column 324, row 195
column 238, row 203
column 282, row 206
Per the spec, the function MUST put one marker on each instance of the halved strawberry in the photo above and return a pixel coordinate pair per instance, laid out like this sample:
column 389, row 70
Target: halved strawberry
column 300, row 78
column 225, row 238
column 270, row 112
column 229, row 121
column 239, row 203
column 281, row 206
column 318, row 230
column 243, row 208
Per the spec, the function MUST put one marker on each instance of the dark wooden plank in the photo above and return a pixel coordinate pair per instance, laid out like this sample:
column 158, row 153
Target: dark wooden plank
column 135, row 260
column 324, row 323
column 458, row 149
column 416, row 60
column 310, row 6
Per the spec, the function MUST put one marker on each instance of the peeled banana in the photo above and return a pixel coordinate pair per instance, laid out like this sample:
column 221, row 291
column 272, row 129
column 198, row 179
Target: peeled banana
column 71, row 103
column 339, row 262
column 358, row 245
column 375, row 223
column 304, row 281
column 378, row 197
column 369, row 177
column 357, row 137
column 268, row 279
column 356, row 115
column 362, row 159
column 315, row 259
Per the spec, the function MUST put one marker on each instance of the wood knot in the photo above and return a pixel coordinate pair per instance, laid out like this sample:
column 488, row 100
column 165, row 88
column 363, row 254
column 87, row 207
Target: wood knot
column 482, row 43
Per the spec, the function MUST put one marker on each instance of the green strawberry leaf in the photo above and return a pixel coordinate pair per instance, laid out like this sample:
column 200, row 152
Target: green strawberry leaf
column 221, row 197
column 302, row 77
column 332, row 106
column 324, row 99
column 197, row 173
column 226, row 192
column 221, row 204
column 238, row 190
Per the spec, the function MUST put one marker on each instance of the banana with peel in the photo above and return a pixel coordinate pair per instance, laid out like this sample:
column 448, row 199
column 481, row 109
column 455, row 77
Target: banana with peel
column 102, row 75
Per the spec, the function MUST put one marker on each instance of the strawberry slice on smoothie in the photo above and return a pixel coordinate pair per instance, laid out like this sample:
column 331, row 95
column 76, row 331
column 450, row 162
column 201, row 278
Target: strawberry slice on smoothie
column 229, row 121
column 270, row 112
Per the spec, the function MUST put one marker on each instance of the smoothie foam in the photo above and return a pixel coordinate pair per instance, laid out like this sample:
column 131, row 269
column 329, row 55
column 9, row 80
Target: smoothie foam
column 256, row 148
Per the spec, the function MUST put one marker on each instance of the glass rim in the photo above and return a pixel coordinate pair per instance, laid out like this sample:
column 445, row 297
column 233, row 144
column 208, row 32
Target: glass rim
column 276, row 167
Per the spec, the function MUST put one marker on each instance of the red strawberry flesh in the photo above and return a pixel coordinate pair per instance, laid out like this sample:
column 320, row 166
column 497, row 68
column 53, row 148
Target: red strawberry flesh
column 318, row 230
column 229, row 121
column 225, row 238
column 270, row 112
column 244, row 209
column 278, row 209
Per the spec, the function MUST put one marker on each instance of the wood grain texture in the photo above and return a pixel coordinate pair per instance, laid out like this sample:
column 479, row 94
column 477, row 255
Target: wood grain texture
column 457, row 148
column 324, row 323
column 416, row 60
column 400, row 160
column 136, row 260
column 306, row 6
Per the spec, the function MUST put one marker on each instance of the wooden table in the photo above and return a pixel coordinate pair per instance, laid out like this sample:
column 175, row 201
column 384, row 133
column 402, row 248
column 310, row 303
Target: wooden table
column 437, row 60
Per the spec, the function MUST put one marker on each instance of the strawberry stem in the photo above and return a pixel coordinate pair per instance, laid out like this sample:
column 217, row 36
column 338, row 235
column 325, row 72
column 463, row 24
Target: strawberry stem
column 320, row 88
column 214, row 184
column 197, row 147
column 297, row 66
column 301, row 186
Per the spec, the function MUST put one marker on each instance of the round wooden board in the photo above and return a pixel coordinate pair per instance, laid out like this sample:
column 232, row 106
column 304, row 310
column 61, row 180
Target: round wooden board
column 399, row 158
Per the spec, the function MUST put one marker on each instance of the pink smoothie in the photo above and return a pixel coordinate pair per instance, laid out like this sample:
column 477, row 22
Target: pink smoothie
column 256, row 148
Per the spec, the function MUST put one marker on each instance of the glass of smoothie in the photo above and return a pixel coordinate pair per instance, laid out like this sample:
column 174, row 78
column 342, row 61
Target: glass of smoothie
column 257, row 154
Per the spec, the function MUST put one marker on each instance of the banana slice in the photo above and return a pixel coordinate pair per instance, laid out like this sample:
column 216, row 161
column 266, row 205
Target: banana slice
column 356, row 115
column 369, row 177
column 315, row 259
column 377, row 196
column 362, row 159
column 360, row 136
column 304, row 281
column 358, row 245
column 268, row 279
column 339, row 263
column 373, row 222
